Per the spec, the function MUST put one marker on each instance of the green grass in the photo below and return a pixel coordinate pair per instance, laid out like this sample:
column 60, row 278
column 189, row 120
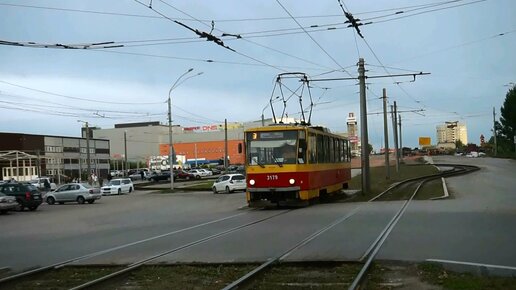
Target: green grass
column 379, row 183
column 291, row 276
column 437, row 275
column 64, row 278
column 186, row 276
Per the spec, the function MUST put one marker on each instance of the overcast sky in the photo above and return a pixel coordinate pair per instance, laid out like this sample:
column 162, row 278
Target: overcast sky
column 46, row 90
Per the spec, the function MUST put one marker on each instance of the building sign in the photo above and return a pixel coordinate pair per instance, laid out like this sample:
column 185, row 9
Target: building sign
column 211, row 128
column 425, row 141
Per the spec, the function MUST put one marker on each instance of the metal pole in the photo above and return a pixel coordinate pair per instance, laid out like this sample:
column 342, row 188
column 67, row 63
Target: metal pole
column 88, row 166
column 386, row 135
column 363, row 130
column 170, row 144
column 226, row 145
column 395, row 135
column 494, row 133
column 401, row 139
column 125, row 154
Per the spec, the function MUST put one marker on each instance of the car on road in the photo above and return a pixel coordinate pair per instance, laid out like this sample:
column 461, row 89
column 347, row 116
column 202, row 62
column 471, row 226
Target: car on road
column 26, row 194
column 7, row 203
column 73, row 192
column 118, row 186
column 229, row 183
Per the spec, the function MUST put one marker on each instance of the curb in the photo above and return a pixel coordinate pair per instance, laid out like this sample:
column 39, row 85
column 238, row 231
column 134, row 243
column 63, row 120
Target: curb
column 476, row 268
column 445, row 189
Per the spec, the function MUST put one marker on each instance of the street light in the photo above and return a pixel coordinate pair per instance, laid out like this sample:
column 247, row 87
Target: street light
column 171, row 148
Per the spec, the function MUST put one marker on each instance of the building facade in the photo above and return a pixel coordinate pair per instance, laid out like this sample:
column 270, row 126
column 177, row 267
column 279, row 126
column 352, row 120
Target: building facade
column 56, row 156
column 354, row 141
column 451, row 132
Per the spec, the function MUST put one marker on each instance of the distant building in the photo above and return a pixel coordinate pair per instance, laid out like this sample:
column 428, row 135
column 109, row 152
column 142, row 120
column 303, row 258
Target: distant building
column 53, row 156
column 451, row 132
column 354, row 141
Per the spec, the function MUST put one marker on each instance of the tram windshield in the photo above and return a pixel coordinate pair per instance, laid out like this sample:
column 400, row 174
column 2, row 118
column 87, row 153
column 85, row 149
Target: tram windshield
column 275, row 147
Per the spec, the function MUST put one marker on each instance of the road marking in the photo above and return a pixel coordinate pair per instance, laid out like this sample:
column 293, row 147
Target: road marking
column 472, row 264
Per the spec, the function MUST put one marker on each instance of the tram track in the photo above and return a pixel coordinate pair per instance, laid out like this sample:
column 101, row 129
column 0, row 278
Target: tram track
column 367, row 257
column 9, row 280
column 373, row 249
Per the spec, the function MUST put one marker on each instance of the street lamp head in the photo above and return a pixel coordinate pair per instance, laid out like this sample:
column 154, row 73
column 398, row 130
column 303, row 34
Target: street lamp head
column 190, row 69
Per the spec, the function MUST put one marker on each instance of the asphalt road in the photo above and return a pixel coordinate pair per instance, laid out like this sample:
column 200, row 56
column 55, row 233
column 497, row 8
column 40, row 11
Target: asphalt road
column 477, row 225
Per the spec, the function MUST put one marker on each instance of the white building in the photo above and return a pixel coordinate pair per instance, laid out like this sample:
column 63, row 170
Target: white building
column 451, row 132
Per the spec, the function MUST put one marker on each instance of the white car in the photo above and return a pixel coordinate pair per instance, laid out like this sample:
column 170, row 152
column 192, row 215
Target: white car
column 198, row 173
column 208, row 172
column 40, row 183
column 118, row 186
column 229, row 183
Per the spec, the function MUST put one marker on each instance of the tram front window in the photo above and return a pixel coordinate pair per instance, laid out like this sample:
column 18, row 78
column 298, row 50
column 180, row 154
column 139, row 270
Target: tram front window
column 276, row 147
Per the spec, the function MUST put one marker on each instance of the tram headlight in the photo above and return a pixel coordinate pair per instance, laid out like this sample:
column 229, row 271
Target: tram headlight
column 252, row 182
column 292, row 181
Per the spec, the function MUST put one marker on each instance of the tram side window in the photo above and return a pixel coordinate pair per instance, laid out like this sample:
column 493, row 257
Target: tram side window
column 320, row 149
column 312, row 139
column 336, row 150
column 301, row 153
column 331, row 146
column 326, row 145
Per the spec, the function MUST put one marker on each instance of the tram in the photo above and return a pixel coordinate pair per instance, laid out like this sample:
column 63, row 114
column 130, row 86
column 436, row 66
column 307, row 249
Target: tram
column 293, row 165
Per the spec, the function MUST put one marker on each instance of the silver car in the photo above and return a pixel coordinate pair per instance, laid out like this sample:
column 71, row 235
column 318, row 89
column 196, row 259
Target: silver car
column 7, row 203
column 78, row 192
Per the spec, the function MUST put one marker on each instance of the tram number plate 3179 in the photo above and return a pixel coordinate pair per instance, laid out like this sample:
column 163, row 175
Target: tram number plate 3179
column 272, row 177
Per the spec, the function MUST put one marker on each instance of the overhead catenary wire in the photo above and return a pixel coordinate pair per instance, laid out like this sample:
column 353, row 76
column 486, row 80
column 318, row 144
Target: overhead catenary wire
column 78, row 98
column 313, row 39
column 238, row 36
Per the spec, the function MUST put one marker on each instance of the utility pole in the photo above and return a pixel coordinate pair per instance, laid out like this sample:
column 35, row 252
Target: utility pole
column 401, row 139
column 125, row 154
column 88, row 165
column 386, row 135
column 225, row 144
column 38, row 153
column 494, row 132
column 363, row 128
column 170, row 145
column 395, row 135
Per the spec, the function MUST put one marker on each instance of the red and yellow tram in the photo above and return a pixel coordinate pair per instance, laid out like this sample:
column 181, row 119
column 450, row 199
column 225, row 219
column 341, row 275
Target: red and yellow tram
column 294, row 164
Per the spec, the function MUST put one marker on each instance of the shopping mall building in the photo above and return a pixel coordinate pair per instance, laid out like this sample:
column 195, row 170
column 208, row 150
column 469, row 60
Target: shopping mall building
column 148, row 143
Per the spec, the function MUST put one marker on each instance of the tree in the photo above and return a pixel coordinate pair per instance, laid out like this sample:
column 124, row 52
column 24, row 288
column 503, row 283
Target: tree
column 508, row 120
column 459, row 145
column 369, row 148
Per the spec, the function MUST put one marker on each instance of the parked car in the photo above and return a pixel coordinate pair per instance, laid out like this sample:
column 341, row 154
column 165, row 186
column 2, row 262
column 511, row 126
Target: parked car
column 215, row 171
column 180, row 174
column 229, row 183
column 7, row 203
column 26, row 194
column 73, row 192
column 118, row 186
column 137, row 175
column 198, row 173
column 157, row 177
column 206, row 171
column 40, row 183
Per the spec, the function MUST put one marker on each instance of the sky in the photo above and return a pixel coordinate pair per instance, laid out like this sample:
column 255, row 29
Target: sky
column 52, row 90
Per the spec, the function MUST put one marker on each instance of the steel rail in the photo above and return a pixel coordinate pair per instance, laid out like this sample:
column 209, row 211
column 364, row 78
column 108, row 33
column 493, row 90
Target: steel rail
column 271, row 261
column 10, row 279
column 140, row 263
column 373, row 250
